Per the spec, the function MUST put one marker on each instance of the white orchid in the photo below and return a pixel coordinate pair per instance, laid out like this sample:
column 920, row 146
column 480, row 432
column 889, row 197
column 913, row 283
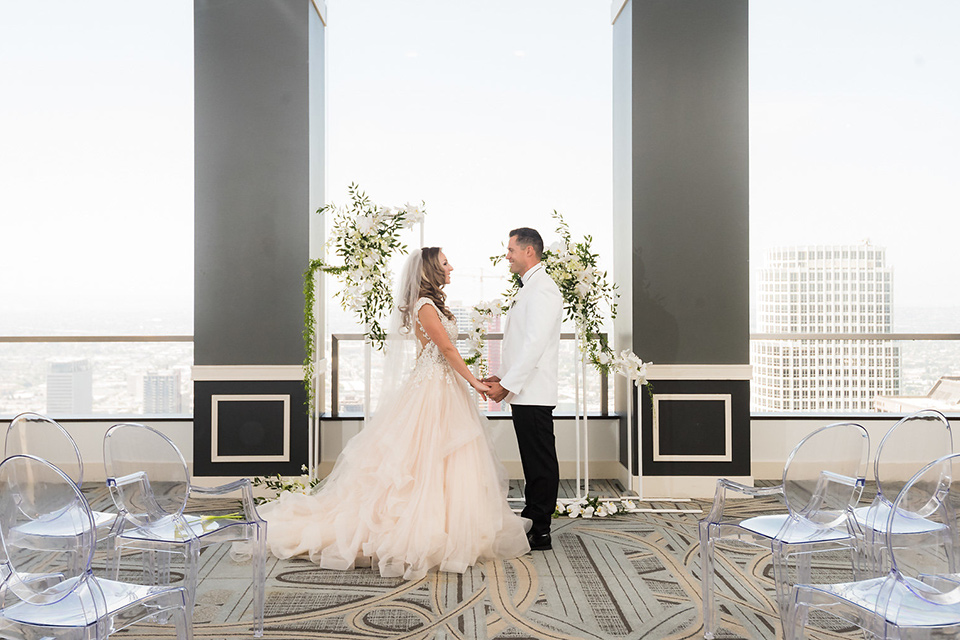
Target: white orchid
column 629, row 505
column 411, row 215
column 365, row 224
column 629, row 365
column 588, row 512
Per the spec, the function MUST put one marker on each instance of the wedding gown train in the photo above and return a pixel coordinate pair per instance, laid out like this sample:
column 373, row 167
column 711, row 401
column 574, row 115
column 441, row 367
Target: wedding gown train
column 419, row 487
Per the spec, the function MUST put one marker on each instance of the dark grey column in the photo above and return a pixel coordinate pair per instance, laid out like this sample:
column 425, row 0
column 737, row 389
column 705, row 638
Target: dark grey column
column 681, row 193
column 259, row 93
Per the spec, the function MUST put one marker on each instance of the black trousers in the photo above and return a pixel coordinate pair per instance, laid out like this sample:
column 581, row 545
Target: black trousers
column 538, row 455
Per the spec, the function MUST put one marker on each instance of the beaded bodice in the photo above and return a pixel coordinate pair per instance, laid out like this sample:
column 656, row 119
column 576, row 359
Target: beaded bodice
column 430, row 362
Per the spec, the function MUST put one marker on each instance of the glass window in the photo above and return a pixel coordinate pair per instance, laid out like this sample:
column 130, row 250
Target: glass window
column 485, row 112
column 97, row 205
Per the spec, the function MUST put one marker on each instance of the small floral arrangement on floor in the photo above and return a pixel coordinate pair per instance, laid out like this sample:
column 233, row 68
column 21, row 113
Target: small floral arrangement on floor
column 593, row 506
column 278, row 484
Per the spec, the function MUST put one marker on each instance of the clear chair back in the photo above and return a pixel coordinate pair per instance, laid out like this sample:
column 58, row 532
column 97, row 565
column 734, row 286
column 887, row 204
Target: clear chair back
column 36, row 496
column 37, row 435
column 145, row 472
column 920, row 437
column 932, row 494
column 824, row 475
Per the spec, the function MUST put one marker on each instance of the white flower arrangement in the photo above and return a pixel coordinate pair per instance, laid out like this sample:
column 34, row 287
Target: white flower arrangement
column 480, row 317
column 365, row 236
column 594, row 507
column 586, row 291
column 278, row 484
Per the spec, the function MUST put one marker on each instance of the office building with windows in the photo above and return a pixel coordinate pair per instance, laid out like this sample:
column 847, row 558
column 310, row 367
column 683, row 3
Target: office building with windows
column 824, row 291
column 69, row 387
column 161, row 392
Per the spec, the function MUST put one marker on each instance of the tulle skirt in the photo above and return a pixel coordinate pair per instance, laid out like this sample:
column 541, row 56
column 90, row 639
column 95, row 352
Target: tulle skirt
column 418, row 488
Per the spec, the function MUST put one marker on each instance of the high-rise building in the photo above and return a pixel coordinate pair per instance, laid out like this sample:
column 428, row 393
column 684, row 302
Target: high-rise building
column 69, row 387
column 161, row 392
column 825, row 290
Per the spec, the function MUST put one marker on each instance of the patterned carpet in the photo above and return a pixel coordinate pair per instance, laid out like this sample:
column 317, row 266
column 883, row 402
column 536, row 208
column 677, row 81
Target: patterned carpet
column 633, row 576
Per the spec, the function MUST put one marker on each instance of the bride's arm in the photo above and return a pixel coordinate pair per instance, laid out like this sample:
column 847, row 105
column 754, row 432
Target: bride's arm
column 430, row 321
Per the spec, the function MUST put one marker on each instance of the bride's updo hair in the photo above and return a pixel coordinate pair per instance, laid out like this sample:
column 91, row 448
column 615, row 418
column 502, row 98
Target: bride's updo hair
column 432, row 279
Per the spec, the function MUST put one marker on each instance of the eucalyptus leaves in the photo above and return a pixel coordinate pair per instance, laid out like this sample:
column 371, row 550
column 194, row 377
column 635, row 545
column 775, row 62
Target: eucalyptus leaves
column 365, row 236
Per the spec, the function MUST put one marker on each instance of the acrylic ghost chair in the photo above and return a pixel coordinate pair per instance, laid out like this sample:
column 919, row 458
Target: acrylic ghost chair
column 822, row 482
column 924, row 436
column 150, row 484
column 37, row 435
column 920, row 596
column 53, row 593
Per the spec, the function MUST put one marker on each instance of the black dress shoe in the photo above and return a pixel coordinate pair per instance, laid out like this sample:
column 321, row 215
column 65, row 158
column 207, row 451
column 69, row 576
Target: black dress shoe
column 539, row 541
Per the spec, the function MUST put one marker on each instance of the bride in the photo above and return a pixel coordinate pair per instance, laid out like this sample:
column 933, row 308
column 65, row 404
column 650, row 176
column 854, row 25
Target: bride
column 419, row 487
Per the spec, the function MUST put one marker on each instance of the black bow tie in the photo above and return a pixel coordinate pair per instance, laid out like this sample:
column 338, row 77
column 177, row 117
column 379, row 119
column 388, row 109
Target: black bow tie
column 521, row 283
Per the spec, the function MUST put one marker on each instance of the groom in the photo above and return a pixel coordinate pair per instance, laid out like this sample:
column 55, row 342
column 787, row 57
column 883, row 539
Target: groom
column 528, row 378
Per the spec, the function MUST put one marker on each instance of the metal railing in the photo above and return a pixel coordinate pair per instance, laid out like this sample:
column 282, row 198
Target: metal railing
column 337, row 338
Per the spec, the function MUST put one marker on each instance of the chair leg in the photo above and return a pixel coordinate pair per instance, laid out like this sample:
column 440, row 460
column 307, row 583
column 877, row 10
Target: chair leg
column 150, row 569
column 796, row 630
column 781, row 579
column 191, row 577
column 182, row 624
column 259, row 580
column 707, row 551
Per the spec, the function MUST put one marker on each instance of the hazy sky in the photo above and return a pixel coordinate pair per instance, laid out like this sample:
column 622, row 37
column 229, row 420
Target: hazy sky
column 492, row 112
column 855, row 134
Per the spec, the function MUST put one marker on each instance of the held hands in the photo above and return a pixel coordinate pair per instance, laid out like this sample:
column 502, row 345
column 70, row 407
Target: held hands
column 496, row 391
column 482, row 388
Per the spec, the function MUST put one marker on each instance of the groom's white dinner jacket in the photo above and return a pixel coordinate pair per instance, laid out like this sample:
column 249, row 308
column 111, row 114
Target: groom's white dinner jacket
column 531, row 341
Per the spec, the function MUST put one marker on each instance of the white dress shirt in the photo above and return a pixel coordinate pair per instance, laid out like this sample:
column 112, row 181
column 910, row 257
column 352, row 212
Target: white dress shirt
column 531, row 341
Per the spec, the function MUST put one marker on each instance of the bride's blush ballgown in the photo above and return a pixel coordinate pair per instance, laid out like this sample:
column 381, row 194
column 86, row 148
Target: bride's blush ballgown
column 418, row 488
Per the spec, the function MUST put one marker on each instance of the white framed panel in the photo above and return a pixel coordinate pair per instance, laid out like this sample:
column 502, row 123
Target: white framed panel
column 215, row 400
column 726, row 456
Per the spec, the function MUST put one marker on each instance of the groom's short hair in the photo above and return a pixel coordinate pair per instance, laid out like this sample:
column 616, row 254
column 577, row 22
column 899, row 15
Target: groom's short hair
column 527, row 237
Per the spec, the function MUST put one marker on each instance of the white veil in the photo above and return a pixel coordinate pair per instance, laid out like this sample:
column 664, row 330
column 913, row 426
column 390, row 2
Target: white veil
column 400, row 347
